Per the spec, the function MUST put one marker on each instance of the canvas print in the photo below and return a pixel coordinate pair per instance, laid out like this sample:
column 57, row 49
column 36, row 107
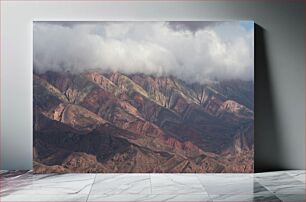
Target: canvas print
column 143, row 97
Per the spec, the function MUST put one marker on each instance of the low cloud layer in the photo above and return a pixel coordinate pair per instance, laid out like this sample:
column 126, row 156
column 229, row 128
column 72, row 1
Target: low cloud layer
column 192, row 51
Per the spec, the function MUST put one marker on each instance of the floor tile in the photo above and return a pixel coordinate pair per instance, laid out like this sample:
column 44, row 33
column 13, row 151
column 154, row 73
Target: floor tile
column 282, row 184
column 259, row 189
column 13, row 173
column 43, row 198
column 276, row 175
column 48, row 184
column 298, row 175
column 266, row 198
column 3, row 171
column 245, row 198
column 12, row 181
column 180, row 198
column 117, row 184
column 176, row 184
column 292, row 197
column 220, row 184
column 286, row 186
column 149, row 198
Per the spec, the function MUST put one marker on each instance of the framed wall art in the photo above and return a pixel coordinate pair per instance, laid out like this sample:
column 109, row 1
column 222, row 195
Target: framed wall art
column 143, row 96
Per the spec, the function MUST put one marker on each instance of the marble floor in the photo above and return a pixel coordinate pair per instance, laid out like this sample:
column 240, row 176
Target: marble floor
column 272, row 186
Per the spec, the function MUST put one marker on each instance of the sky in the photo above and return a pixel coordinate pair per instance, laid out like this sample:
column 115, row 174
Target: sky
column 194, row 51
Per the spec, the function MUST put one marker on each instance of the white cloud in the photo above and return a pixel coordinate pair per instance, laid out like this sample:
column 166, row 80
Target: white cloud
column 194, row 54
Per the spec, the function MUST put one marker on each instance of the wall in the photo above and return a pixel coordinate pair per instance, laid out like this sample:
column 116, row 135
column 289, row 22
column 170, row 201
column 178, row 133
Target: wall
column 279, row 71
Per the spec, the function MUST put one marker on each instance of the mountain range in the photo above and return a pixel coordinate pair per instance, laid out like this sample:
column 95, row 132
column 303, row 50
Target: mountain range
column 113, row 122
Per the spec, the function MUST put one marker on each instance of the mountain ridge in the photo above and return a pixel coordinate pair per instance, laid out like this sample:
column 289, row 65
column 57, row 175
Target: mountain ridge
column 203, row 127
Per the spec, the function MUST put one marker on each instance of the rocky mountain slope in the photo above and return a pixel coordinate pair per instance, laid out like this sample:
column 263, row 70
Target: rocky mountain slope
column 112, row 122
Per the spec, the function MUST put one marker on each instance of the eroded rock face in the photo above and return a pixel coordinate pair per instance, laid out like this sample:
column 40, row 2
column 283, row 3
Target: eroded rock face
column 81, row 118
column 111, row 122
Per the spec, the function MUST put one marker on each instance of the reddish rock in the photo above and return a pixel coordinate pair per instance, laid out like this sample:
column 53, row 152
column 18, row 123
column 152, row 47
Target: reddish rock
column 111, row 122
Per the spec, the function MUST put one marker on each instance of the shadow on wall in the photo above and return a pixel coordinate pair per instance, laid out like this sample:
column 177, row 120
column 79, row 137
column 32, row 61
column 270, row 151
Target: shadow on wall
column 268, row 153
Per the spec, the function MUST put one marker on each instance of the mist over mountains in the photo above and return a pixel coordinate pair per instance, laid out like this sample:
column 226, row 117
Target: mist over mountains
column 191, row 51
